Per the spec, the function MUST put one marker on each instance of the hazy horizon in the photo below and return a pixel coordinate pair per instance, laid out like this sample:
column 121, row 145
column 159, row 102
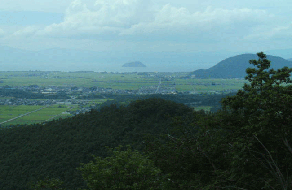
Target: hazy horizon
column 138, row 30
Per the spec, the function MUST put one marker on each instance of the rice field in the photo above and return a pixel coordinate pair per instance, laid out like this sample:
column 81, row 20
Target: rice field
column 109, row 80
column 121, row 81
column 205, row 108
column 9, row 112
column 30, row 114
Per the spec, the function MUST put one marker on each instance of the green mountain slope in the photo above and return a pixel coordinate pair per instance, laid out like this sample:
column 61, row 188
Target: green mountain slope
column 234, row 67
column 56, row 149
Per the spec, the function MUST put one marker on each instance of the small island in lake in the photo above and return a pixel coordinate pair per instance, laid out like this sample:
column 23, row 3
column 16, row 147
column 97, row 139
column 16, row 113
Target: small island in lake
column 134, row 64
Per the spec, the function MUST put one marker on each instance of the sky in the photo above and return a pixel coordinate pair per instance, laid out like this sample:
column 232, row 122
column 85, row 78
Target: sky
column 147, row 26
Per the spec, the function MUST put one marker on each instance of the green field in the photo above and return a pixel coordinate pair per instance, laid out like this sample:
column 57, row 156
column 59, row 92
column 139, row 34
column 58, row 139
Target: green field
column 116, row 81
column 205, row 85
column 46, row 114
column 129, row 81
column 95, row 101
column 9, row 112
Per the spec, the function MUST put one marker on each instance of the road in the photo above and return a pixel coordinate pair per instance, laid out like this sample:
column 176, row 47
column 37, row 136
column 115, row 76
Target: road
column 24, row 114
column 158, row 87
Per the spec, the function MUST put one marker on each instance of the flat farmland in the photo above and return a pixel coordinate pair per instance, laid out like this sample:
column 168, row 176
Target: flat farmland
column 205, row 108
column 93, row 102
column 205, row 85
column 31, row 114
column 9, row 112
column 105, row 80
column 120, row 81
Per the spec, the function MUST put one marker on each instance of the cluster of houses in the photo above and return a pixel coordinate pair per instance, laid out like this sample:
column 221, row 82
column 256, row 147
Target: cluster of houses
column 20, row 101
column 74, row 92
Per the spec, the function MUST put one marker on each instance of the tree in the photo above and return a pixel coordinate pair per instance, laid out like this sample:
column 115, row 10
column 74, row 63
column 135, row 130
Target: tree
column 262, row 116
column 192, row 161
column 124, row 170
column 264, row 105
column 243, row 146
column 47, row 184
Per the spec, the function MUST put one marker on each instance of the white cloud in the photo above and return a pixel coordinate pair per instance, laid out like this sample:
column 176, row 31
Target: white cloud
column 172, row 19
column 102, row 17
column 271, row 32
column 26, row 32
column 142, row 25
column 130, row 17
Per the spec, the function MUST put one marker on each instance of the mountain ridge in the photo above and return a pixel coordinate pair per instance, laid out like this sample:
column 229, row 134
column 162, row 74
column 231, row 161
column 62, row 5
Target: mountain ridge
column 235, row 67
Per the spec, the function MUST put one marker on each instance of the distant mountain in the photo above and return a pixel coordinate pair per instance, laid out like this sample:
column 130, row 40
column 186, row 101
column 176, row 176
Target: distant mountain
column 134, row 64
column 289, row 59
column 234, row 67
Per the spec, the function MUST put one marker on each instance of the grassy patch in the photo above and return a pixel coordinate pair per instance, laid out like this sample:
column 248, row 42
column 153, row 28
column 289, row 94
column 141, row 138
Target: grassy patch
column 33, row 116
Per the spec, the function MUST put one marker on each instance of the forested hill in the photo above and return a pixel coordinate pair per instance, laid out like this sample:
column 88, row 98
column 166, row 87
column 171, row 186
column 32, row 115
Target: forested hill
column 30, row 153
column 234, row 67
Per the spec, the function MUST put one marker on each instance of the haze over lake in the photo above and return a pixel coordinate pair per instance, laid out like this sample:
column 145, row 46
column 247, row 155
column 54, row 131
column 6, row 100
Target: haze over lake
column 165, row 35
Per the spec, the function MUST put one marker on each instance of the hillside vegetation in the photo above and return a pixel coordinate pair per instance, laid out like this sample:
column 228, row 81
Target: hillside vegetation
column 234, row 67
column 30, row 153
column 244, row 145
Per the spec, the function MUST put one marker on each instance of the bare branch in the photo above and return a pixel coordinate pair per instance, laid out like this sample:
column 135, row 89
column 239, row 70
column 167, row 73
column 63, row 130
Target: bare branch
column 277, row 173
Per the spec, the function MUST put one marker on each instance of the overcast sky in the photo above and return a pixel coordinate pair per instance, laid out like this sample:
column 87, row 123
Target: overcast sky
column 147, row 26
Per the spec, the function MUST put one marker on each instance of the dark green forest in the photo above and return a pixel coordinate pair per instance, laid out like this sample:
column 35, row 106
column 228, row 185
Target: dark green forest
column 187, row 99
column 154, row 143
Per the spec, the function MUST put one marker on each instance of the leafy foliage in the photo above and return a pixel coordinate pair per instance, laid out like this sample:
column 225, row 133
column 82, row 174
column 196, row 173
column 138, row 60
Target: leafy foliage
column 194, row 157
column 238, row 147
column 265, row 111
column 55, row 149
column 47, row 184
column 124, row 170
